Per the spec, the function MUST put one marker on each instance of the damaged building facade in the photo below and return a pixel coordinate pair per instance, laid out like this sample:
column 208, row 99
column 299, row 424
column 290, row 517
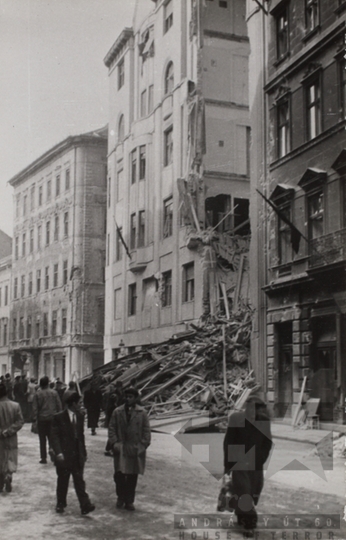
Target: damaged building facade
column 298, row 112
column 58, row 259
column 178, row 170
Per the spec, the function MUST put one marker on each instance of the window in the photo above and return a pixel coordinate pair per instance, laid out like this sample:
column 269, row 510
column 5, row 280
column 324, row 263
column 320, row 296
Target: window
column 117, row 304
column 65, row 224
column 67, row 179
column 168, row 16
column 151, row 99
column 25, row 198
column 143, row 111
column 168, row 217
column 282, row 43
column 49, row 190
column 32, row 198
column 38, row 280
column 22, row 287
column 23, row 244
column 47, row 233
column 45, row 324
column 17, row 206
column 63, row 321
column 315, row 215
column 38, row 326
column 118, row 245
column 283, row 128
column 343, row 88
column 57, row 185
column 14, row 329
column 121, row 74
column 5, row 334
column 313, row 109
column 64, row 273
column 39, row 236
column 120, row 178
column 142, row 162
column 56, row 228
column 6, row 295
column 121, row 128
column 15, row 288
column 133, row 166
column 132, row 299
column 21, row 328
column 167, row 289
column 31, row 240
column 311, row 14
column 223, row 3
column 54, row 322
column 30, row 284
column 55, row 275
column 46, row 278
column 188, row 282
column 168, row 146
column 28, row 327
column 169, row 78
column 40, row 195
column 141, row 228
column 133, row 231
column 16, row 248
column 284, row 237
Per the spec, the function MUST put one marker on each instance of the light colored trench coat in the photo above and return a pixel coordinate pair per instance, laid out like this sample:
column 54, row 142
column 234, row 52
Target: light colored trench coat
column 11, row 421
column 129, row 440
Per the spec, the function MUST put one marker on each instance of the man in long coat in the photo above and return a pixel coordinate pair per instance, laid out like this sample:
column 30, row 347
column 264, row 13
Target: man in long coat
column 93, row 403
column 11, row 421
column 129, row 436
column 46, row 403
column 247, row 445
column 68, row 445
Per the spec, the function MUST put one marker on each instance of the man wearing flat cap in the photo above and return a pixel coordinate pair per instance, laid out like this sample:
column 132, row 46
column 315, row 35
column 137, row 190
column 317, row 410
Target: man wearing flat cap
column 129, row 436
column 247, row 445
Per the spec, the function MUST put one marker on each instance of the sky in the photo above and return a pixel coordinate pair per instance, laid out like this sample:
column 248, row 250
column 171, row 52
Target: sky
column 53, row 82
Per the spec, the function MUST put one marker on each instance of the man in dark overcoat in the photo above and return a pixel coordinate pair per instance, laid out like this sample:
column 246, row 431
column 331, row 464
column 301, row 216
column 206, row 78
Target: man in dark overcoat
column 11, row 421
column 68, row 445
column 247, row 444
column 129, row 436
column 93, row 404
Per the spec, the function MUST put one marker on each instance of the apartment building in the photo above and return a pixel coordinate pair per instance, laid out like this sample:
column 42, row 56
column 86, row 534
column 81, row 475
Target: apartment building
column 298, row 113
column 5, row 288
column 57, row 301
column 178, row 165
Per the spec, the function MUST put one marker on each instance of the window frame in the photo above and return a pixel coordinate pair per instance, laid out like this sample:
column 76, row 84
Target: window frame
column 133, row 230
column 118, row 246
column 188, row 292
column 64, row 321
column 142, row 162
column 47, row 233
column 38, row 280
column 65, row 272
column 167, row 16
column 166, row 298
column 319, row 214
column 56, row 275
column 286, row 126
column 121, row 73
column 168, row 146
column 141, row 229
column 46, row 278
column 56, row 228
column 133, row 158
column 67, row 179
column 313, row 107
column 66, row 224
column 311, row 16
column 132, row 300
column 282, row 14
column 31, row 241
column 167, row 229
column 143, row 104
column 169, row 78
column 57, row 185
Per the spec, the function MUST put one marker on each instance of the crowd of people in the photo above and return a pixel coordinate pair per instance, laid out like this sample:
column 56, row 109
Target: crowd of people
column 57, row 414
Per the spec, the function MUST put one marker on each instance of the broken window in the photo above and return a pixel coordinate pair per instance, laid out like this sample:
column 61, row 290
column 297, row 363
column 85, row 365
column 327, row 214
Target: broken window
column 241, row 216
column 216, row 210
column 167, row 289
column 188, row 282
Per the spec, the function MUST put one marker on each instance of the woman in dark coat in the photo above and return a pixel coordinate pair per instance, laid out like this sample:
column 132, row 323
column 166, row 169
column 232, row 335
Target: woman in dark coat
column 93, row 403
column 247, row 445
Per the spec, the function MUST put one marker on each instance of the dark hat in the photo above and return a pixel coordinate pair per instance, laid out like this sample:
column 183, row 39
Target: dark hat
column 131, row 391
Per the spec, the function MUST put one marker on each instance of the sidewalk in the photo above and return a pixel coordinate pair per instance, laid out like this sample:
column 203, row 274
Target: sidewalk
column 289, row 433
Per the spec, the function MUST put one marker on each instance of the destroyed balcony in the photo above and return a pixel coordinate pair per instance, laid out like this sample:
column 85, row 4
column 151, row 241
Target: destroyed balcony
column 328, row 249
column 140, row 258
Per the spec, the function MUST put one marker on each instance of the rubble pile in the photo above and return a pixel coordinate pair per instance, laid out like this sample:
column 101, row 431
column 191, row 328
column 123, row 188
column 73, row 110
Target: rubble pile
column 204, row 369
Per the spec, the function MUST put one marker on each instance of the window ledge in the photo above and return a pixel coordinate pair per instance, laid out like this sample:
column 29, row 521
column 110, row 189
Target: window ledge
column 311, row 33
column 340, row 8
column 282, row 59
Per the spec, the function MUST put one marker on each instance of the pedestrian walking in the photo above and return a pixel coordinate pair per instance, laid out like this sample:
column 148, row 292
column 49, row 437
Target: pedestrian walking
column 93, row 403
column 68, row 445
column 46, row 403
column 11, row 421
column 115, row 399
column 247, row 444
column 30, row 398
column 9, row 386
column 129, row 436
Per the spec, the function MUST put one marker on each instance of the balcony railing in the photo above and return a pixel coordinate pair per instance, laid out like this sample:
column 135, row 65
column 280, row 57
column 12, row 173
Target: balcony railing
column 328, row 249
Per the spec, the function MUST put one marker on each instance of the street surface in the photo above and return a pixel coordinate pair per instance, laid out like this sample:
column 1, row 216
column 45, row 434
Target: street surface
column 174, row 483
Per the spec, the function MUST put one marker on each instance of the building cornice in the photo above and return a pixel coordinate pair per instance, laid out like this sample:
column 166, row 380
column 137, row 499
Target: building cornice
column 125, row 35
column 93, row 137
